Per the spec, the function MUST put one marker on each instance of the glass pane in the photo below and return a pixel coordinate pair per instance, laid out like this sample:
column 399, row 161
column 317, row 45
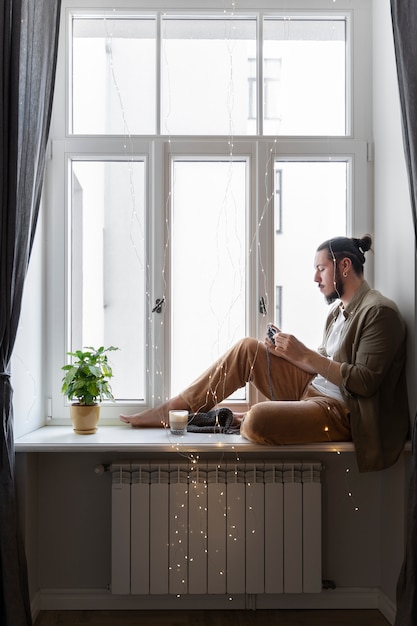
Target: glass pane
column 208, row 265
column 107, row 267
column 313, row 198
column 304, row 76
column 113, row 66
column 207, row 76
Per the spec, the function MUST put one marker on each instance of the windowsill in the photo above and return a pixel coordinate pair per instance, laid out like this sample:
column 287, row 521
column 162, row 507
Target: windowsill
column 126, row 439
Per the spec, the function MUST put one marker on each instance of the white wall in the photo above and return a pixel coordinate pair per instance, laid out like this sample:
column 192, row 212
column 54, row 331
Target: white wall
column 394, row 266
column 28, row 355
column 75, row 520
column 393, row 232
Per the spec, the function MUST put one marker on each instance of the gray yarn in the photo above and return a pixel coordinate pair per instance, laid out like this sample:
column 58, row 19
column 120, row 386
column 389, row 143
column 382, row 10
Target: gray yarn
column 215, row 421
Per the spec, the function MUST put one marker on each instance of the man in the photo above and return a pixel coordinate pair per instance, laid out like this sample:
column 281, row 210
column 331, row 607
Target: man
column 352, row 388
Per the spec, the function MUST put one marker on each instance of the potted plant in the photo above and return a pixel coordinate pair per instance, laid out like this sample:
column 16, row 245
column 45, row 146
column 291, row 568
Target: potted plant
column 86, row 384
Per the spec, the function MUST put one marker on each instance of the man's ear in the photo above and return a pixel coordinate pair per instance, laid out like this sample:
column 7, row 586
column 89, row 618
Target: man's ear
column 346, row 264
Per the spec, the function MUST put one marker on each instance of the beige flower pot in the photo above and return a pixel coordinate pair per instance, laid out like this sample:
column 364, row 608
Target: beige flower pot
column 84, row 418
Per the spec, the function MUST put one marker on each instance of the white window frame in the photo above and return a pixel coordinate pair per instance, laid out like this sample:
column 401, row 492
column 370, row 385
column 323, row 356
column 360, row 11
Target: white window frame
column 158, row 151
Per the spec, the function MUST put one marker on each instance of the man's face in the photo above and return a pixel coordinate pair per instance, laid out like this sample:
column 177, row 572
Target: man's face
column 328, row 277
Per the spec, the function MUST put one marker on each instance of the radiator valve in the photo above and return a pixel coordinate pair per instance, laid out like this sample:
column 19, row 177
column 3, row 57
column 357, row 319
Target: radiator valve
column 328, row 584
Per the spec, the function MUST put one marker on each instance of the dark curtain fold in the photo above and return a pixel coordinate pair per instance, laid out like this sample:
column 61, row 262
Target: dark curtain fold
column 404, row 23
column 28, row 40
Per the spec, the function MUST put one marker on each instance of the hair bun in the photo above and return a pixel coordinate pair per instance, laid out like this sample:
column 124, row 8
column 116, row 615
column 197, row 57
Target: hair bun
column 364, row 243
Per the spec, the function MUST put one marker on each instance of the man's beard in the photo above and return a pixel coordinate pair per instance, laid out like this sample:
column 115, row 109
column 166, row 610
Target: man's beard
column 338, row 289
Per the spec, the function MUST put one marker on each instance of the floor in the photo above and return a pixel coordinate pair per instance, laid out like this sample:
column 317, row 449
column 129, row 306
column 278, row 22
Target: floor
column 213, row 618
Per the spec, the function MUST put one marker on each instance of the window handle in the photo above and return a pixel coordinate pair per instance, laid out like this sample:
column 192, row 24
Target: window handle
column 262, row 306
column 158, row 305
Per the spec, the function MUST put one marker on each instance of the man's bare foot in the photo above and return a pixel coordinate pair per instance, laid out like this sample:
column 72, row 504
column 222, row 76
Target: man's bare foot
column 153, row 418
column 157, row 417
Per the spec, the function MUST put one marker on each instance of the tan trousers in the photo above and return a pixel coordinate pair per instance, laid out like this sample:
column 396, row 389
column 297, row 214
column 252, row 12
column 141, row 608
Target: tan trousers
column 296, row 413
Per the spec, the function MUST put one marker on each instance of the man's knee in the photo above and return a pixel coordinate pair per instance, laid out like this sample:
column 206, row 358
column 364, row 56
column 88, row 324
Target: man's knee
column 247, row 344
column 254, row 426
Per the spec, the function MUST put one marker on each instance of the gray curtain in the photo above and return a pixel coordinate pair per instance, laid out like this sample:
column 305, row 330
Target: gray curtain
column 404, row 23
column 28, row 40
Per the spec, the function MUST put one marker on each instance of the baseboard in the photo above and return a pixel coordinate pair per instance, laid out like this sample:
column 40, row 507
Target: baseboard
column 342, row 598
column 35, row 605
column 97, row 599
column 387, row 607
column 102, row 599
column 339, row 598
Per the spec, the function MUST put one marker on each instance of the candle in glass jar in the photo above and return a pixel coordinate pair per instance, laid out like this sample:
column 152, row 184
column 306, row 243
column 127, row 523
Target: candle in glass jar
column 178, row 421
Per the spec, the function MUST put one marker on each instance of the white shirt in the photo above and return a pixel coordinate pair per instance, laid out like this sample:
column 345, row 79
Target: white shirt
column 320, row 383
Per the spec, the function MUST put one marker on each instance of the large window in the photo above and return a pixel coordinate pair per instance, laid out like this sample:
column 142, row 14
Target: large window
column 198, row 159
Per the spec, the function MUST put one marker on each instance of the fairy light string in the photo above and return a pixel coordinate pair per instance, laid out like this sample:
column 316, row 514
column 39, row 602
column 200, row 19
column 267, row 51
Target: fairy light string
column 184, row 561
column 229, row 39
column 255, row 245
column 137, row 235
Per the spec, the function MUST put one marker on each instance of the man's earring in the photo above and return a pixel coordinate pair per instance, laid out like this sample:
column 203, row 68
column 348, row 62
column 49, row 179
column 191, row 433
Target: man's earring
column 345, row 274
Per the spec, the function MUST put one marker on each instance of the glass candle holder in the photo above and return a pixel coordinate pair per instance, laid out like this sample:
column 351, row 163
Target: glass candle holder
column 178, row 421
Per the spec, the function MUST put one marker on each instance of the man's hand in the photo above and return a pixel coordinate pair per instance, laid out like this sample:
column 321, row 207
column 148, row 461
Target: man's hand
column 290, row 348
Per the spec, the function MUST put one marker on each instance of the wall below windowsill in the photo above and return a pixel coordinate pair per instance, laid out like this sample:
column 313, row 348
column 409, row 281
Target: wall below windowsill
column 154, row 440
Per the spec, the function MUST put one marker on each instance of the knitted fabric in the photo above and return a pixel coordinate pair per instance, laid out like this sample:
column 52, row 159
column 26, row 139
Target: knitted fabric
column 215, row 421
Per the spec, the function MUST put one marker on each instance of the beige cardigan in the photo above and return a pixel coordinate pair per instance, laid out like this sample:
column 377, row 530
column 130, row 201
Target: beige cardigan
column 372, row 356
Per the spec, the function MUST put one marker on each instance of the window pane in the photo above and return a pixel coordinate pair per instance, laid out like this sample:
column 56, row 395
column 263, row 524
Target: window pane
column 304, row 76
column 206, row 76
column 313, row 199
column 113, row 76
column 107, row 264
column 208, row 265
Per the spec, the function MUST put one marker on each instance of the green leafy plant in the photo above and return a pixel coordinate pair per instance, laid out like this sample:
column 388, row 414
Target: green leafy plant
column 87, row 377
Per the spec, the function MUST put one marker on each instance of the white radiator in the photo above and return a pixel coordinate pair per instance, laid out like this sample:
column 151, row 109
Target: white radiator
column 205, row 528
